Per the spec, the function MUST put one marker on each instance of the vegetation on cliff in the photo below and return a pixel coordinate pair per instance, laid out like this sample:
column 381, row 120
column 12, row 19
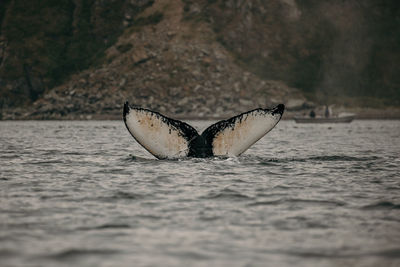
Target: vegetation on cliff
column 333, row 51
column 329, row 49
column 45, row 41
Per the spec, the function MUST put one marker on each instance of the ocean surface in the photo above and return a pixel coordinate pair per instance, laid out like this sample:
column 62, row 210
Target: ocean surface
column 84, row 193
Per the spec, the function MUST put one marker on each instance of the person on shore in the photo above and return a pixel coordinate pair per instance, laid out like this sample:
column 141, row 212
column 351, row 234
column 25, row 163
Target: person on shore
column 327, row 113
column 312, row 114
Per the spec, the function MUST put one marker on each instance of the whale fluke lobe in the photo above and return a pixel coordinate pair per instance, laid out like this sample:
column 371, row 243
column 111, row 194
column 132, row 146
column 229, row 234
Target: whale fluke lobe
column 168, row 138
column 161, row 136
column 234, row 136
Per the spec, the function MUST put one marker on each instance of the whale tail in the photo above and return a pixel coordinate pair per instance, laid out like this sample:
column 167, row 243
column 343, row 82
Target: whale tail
column 168, row 138
column 234, row 136
column 161, row 136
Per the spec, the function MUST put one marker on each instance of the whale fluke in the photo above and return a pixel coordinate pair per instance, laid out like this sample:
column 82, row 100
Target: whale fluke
column 168, row 138
column 161, row 136
column 234, row 136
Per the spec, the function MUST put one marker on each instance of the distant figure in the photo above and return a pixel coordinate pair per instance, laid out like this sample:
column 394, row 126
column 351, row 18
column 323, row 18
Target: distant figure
column 312, row 114
column 327, row 113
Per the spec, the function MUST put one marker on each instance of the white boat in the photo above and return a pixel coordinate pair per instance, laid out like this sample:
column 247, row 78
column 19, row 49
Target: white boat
column 342, row 118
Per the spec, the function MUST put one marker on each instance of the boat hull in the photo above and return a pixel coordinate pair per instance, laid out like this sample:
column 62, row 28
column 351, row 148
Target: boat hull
column 346, row 119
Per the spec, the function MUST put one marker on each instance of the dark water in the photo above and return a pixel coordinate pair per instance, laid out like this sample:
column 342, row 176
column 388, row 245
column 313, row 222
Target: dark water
column 85, row 194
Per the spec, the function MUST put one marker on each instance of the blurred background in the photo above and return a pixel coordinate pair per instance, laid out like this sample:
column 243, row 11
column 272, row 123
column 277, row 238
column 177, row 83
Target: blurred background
column 81, row 59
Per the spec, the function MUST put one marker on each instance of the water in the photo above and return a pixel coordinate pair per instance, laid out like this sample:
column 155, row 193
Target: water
column 78, row 193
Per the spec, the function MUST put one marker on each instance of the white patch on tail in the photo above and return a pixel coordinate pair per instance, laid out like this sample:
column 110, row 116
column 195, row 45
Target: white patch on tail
column 234, row 136
column 160, row 138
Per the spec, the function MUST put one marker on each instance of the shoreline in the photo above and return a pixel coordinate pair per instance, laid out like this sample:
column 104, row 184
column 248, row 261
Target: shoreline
column 97, row 117
column 392, row 113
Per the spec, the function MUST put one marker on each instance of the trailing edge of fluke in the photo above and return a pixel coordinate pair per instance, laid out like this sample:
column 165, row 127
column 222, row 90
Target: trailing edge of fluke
column 167, row 138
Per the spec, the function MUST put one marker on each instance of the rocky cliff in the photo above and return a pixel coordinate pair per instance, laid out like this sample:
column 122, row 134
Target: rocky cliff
column 326, row 48
column 83, row 59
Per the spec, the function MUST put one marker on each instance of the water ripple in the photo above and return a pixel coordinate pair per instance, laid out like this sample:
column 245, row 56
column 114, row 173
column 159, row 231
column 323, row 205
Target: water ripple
column 281, row 201
column 84, row 193
column 382, row 205
column 74, row 253
column 227, row 194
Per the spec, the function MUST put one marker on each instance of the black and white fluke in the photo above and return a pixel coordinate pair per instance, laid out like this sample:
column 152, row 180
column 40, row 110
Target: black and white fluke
column 167, row 138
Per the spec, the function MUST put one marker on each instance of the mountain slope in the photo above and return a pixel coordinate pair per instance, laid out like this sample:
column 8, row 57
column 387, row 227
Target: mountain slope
column 78, row 58
column 166, row 63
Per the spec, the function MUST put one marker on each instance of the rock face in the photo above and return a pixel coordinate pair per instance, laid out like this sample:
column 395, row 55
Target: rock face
column 174, row 67
column 44, row 42
column 187, row 58
column 326, row 48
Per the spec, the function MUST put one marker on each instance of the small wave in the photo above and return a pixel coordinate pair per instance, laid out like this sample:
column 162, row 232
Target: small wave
column 126, row 195
column 266, row 203
column 226, row 193
column 115, row 196
column 287, row 187
column 53, row 196
column 49, row 152
column 105, row 127
column 382, row 205
column 106, row 226
column 150, row 217
column 238, row 180
column 300, row 222
column 39, row 162
column 193, row 255
column 8, row 157
column 75, row 153
column 298, row 201
column 259, row 160
column 270, row 195
column 113, row 226
column 342, row 158
column 131, row 158
column 112, row 171
column 315, row 254
column 209, row 218
column 72, row 253
column 274, row 161
column 389, row 253
column 7, row 253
